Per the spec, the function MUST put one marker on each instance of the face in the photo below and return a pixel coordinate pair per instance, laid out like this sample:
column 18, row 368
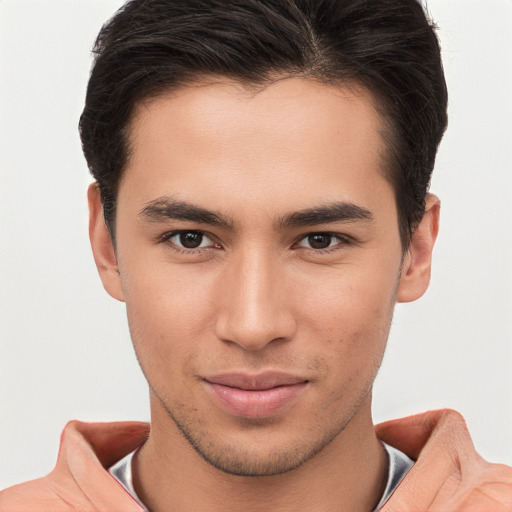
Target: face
column 259, row 257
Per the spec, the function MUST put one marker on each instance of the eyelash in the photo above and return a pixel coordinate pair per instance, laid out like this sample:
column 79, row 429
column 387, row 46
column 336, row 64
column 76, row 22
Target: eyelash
column 342, row 241
column 167, row 237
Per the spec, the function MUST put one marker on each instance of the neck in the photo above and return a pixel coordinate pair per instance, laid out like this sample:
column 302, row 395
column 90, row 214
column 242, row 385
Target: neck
column 347, row 474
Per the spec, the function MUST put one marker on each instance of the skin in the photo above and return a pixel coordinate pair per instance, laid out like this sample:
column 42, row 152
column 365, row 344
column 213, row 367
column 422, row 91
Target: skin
column 260, row 293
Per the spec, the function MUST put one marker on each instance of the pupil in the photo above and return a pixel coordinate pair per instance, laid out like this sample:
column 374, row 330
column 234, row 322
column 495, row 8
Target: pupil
column 319, row 241
column 191, row 240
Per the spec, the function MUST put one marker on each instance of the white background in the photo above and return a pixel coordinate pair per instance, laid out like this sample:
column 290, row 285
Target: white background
column 65, row 350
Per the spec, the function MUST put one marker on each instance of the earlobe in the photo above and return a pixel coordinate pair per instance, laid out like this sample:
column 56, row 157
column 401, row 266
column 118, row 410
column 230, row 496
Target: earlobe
column 102, row 246
column 417, row 263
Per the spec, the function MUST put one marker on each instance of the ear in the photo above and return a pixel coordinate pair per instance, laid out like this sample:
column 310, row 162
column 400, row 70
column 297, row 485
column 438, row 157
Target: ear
column 417, row 263
column 102, row 246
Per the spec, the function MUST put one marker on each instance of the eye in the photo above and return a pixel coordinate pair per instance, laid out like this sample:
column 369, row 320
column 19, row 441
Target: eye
column 190, row 240
column 322, row 241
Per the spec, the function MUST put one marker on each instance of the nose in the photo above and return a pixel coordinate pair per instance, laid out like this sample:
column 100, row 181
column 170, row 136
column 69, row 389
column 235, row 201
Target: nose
column 254, row 307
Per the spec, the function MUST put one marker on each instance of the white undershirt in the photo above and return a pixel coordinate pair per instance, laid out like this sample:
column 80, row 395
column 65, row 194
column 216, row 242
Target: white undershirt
column 399, row 466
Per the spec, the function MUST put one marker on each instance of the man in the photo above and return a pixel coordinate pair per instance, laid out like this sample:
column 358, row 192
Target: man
column 261, row 203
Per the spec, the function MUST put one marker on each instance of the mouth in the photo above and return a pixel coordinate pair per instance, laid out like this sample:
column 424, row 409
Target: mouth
column 255, row 396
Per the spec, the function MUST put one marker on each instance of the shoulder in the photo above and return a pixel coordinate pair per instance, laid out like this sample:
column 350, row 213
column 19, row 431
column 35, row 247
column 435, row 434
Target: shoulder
column 80, row 480
column 42, row 493
column 448, row 474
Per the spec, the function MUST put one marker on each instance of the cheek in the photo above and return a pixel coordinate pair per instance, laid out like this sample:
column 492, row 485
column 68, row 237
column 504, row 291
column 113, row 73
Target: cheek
column 347, row 301
column 347, row 321
column 348, row 324
column 167, row 315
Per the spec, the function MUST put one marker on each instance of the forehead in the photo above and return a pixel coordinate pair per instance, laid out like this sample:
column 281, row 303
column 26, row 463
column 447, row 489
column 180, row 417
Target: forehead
column 283, row 107
column 294, row 138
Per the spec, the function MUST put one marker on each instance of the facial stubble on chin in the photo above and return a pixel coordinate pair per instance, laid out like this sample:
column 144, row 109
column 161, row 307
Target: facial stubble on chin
column 232, row 459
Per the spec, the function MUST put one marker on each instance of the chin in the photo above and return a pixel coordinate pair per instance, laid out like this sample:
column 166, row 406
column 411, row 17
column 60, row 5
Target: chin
column 234, row 461
column 259, row 449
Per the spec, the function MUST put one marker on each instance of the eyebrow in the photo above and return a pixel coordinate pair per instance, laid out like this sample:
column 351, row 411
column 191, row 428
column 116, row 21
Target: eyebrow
column 167, row 208
column 334, row 212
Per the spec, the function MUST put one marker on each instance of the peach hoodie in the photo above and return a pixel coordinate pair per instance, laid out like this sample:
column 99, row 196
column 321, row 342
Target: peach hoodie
column 448, row 474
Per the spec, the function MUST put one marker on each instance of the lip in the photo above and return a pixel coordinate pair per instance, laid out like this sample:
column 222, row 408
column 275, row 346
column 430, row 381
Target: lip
column 255, row 396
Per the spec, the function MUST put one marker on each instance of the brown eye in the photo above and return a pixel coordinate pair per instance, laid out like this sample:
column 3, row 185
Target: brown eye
column 320, row 240
column 191, row 239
